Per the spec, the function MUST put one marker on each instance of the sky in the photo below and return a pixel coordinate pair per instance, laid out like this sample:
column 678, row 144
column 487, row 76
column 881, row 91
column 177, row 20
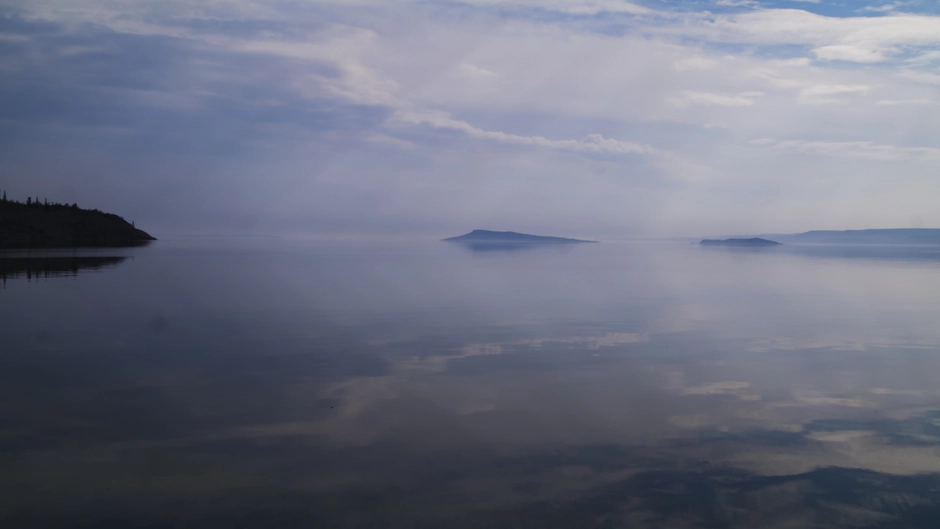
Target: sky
column 409, row 118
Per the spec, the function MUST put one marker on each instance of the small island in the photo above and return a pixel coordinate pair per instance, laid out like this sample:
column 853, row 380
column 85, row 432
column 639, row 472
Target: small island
column 884, row 236
column 44, row 224
column 510, row 237
column 752, row 242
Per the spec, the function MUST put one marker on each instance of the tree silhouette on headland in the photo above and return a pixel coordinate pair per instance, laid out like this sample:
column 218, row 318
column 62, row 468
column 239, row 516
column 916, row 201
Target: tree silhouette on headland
column 48, row 224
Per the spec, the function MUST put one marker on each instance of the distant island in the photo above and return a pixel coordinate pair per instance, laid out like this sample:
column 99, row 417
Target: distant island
column 510, row 237
column 36, row 224
column 752, row 242
column 888, row 236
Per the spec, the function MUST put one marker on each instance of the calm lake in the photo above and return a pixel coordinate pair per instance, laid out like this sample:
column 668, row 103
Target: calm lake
column 274, row 384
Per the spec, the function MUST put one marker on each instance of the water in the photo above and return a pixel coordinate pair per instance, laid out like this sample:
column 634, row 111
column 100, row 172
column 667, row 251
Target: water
column 268, row 383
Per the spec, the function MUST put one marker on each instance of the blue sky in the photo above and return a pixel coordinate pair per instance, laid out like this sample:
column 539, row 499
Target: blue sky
column 589, row 118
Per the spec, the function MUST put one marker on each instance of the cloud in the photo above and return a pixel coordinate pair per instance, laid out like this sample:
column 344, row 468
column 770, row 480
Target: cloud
column 362, row 104
column 848, row 53
column 921, row 77
column 823, row 93
column 738, row 389
column 475, row 72
column 852, row 149
column 884, row 8
column 858, row 39
column 354, row 82
column 693, row 64
column 736, row 3
column 574, row 7
column 743, row 99
column 896, row 102
column 924, row 58
column 592, row 143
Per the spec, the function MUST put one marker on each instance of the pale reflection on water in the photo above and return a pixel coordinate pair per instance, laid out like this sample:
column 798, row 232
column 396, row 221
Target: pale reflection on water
column 276, row 383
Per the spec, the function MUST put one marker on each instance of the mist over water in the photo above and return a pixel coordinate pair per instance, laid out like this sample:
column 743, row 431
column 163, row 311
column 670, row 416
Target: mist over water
column 276, row 383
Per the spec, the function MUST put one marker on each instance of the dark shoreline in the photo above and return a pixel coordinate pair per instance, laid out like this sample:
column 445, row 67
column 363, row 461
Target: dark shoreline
column 44, row 225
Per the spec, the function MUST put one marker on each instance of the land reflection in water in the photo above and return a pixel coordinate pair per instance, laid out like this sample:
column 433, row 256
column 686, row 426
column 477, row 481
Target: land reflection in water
column 46, row 267
column 608, row 385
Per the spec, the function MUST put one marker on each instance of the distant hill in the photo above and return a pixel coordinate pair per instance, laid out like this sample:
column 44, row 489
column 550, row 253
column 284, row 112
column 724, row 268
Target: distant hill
column 904, row 236
column 509, row 237
column 753, row 241
column 43, row 225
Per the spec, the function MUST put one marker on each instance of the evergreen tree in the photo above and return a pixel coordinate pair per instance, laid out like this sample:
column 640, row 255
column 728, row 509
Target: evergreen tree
column 29, row 201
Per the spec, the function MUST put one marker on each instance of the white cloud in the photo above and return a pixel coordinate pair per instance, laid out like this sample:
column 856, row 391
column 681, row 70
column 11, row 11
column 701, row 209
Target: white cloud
column 741, row 390
column 694, row 64
column 896, row 102
column 737, row 3
column 11, row 37
column 592, row 143
column 844, row 52
column 921, row 77
column 885, row 8
column 833, row 89
column 342, row 47
column 564, row 84
column 346, row 48
column 575, row 7
column 743, row 99
column 864, row 39
column 824, row 93
column 924, row 58
column 852, row 149
column 475, row 72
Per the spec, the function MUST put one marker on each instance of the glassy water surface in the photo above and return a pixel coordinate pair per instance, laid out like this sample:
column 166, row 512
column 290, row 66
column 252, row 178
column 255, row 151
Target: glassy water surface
column 256, row 383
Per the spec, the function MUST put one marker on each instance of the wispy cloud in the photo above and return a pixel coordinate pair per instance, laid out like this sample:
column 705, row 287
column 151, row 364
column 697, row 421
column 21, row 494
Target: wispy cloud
column 885, row 8
column 929, row 78
column 737, row 3
column 829, row 93
column 852, row 149
column 592, row 143
column 743, row 99
column 578, row 7
column 475, row 72
column 896, row 102
column 856, row 39
column 849, row 52
column 655, row 103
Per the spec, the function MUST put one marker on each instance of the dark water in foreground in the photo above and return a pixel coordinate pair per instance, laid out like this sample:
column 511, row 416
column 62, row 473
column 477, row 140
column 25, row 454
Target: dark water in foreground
column 285, row 384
